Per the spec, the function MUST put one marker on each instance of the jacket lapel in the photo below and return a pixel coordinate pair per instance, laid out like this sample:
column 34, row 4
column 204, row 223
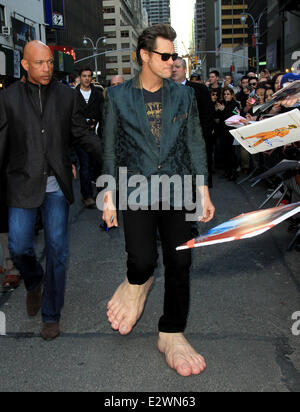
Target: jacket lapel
column 166, row 132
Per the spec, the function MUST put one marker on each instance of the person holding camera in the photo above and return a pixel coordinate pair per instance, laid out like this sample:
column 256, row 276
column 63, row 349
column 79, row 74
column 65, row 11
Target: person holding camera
column 91, row 101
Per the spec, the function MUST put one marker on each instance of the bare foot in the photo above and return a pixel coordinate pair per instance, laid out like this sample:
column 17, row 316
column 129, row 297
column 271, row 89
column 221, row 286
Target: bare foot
column 127, row 305
column 180, row 355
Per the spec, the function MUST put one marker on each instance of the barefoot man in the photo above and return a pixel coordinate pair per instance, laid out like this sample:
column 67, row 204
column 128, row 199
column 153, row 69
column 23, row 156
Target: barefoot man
column 151, row 127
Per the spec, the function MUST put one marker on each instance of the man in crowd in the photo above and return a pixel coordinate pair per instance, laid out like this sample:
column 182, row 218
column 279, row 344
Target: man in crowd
column 161, row 135
column 213, row 80
column 91, row 101
column 196, row 78
column 40, row 120
column 243, row 95
column 205, row 108
column 116, row 80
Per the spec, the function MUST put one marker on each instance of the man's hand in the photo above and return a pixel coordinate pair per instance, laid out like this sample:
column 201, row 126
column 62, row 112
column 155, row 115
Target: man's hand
column 207, row 205
column 74, row 171
column 290, row 101
column 109, row 211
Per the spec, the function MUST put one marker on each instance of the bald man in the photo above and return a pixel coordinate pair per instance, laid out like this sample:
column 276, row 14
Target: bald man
column 116, row 80
column 40, row 121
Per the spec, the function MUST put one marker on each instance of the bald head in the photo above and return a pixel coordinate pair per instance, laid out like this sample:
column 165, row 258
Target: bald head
column 38, row 62
column 116, row 80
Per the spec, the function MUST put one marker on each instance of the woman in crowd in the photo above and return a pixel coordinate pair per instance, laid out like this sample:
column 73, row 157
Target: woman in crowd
column 227, row 108
column 276, row 80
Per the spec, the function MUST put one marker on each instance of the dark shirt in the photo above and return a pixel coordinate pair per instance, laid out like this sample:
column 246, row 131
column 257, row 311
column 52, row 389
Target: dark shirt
column 153, row 102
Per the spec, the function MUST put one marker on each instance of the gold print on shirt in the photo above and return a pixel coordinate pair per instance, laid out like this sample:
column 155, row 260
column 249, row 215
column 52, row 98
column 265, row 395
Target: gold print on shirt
column 154, row 112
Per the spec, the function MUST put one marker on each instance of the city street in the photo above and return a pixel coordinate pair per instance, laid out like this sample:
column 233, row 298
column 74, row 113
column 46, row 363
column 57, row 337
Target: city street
column 243, row 297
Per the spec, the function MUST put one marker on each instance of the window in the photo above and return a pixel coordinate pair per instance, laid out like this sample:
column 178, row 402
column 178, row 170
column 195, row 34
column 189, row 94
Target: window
column 107, row 10
column 2, row 17
column 126, row 70
column 125, row 46
column 111, row 34
column 125, row 59
column 109, row 22
column 111, row 59
column 111, row 72
column 125, row 33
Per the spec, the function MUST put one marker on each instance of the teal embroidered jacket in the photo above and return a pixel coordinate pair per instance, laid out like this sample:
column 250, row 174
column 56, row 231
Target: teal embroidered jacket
column 129, row 142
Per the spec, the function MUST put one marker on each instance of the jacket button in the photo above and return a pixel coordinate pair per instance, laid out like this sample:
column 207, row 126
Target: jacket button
column 159, row 166
column 43, row 131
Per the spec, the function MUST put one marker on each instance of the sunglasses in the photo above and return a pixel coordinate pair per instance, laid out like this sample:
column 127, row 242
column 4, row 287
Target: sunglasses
column 253, row 84
column 166, row 56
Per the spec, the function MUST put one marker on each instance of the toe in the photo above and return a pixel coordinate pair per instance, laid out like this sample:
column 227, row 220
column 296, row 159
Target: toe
column 184, row 369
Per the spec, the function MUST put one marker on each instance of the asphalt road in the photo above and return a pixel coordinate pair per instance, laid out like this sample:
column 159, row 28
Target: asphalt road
column 243, row 298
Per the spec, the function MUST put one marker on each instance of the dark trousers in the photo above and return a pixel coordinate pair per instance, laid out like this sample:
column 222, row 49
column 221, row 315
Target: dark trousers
column 140, row 228
column 55, row 211
column 86, row 172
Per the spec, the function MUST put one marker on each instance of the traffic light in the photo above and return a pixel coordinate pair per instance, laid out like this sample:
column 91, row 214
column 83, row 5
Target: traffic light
column 195, row 60
column 253, row 64
column 133, row 56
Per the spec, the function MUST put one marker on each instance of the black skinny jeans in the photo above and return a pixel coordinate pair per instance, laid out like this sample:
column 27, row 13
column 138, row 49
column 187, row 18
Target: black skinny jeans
column 140, row 228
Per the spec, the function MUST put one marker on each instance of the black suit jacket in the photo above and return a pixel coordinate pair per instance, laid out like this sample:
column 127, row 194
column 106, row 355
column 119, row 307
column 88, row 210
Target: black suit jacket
column 38, row 127
column 92, row 109
column 205, row 108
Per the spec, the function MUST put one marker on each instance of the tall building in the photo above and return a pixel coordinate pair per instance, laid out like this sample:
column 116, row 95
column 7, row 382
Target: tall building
column 200, row 31
column 227, row 36
column 200, row 25
column 158, row 11
column 122, row 21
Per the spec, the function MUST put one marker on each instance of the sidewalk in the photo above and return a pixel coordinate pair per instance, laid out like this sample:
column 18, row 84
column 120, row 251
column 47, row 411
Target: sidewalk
column 242, row 299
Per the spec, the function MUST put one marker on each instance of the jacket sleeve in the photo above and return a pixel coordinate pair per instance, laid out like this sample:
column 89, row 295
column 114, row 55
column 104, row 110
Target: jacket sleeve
column 3, row 130
column 195, row 142
column 81, row 133
column 205, row 109
column 110, row 135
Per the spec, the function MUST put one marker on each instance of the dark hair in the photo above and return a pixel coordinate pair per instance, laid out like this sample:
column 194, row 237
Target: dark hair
column 217, row 91
column 215, row 72
column 253, row 78
column 274, row 79
column 147, row 39
column 86, row 69
column 244, row 78
column 268, row 88
column 262, row 85
column 228, row 89
column 196, row 76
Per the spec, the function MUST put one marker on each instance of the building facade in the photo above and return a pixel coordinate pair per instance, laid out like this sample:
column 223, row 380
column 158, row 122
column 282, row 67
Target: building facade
column 283, row 41
column 200, row 33
column 122, row 20
column 72, row 21
column 227, row 36
column 158, row 11
column 21, row 21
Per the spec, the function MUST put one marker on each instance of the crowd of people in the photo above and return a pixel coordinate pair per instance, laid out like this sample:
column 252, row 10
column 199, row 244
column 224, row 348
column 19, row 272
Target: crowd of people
column 48, row 131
